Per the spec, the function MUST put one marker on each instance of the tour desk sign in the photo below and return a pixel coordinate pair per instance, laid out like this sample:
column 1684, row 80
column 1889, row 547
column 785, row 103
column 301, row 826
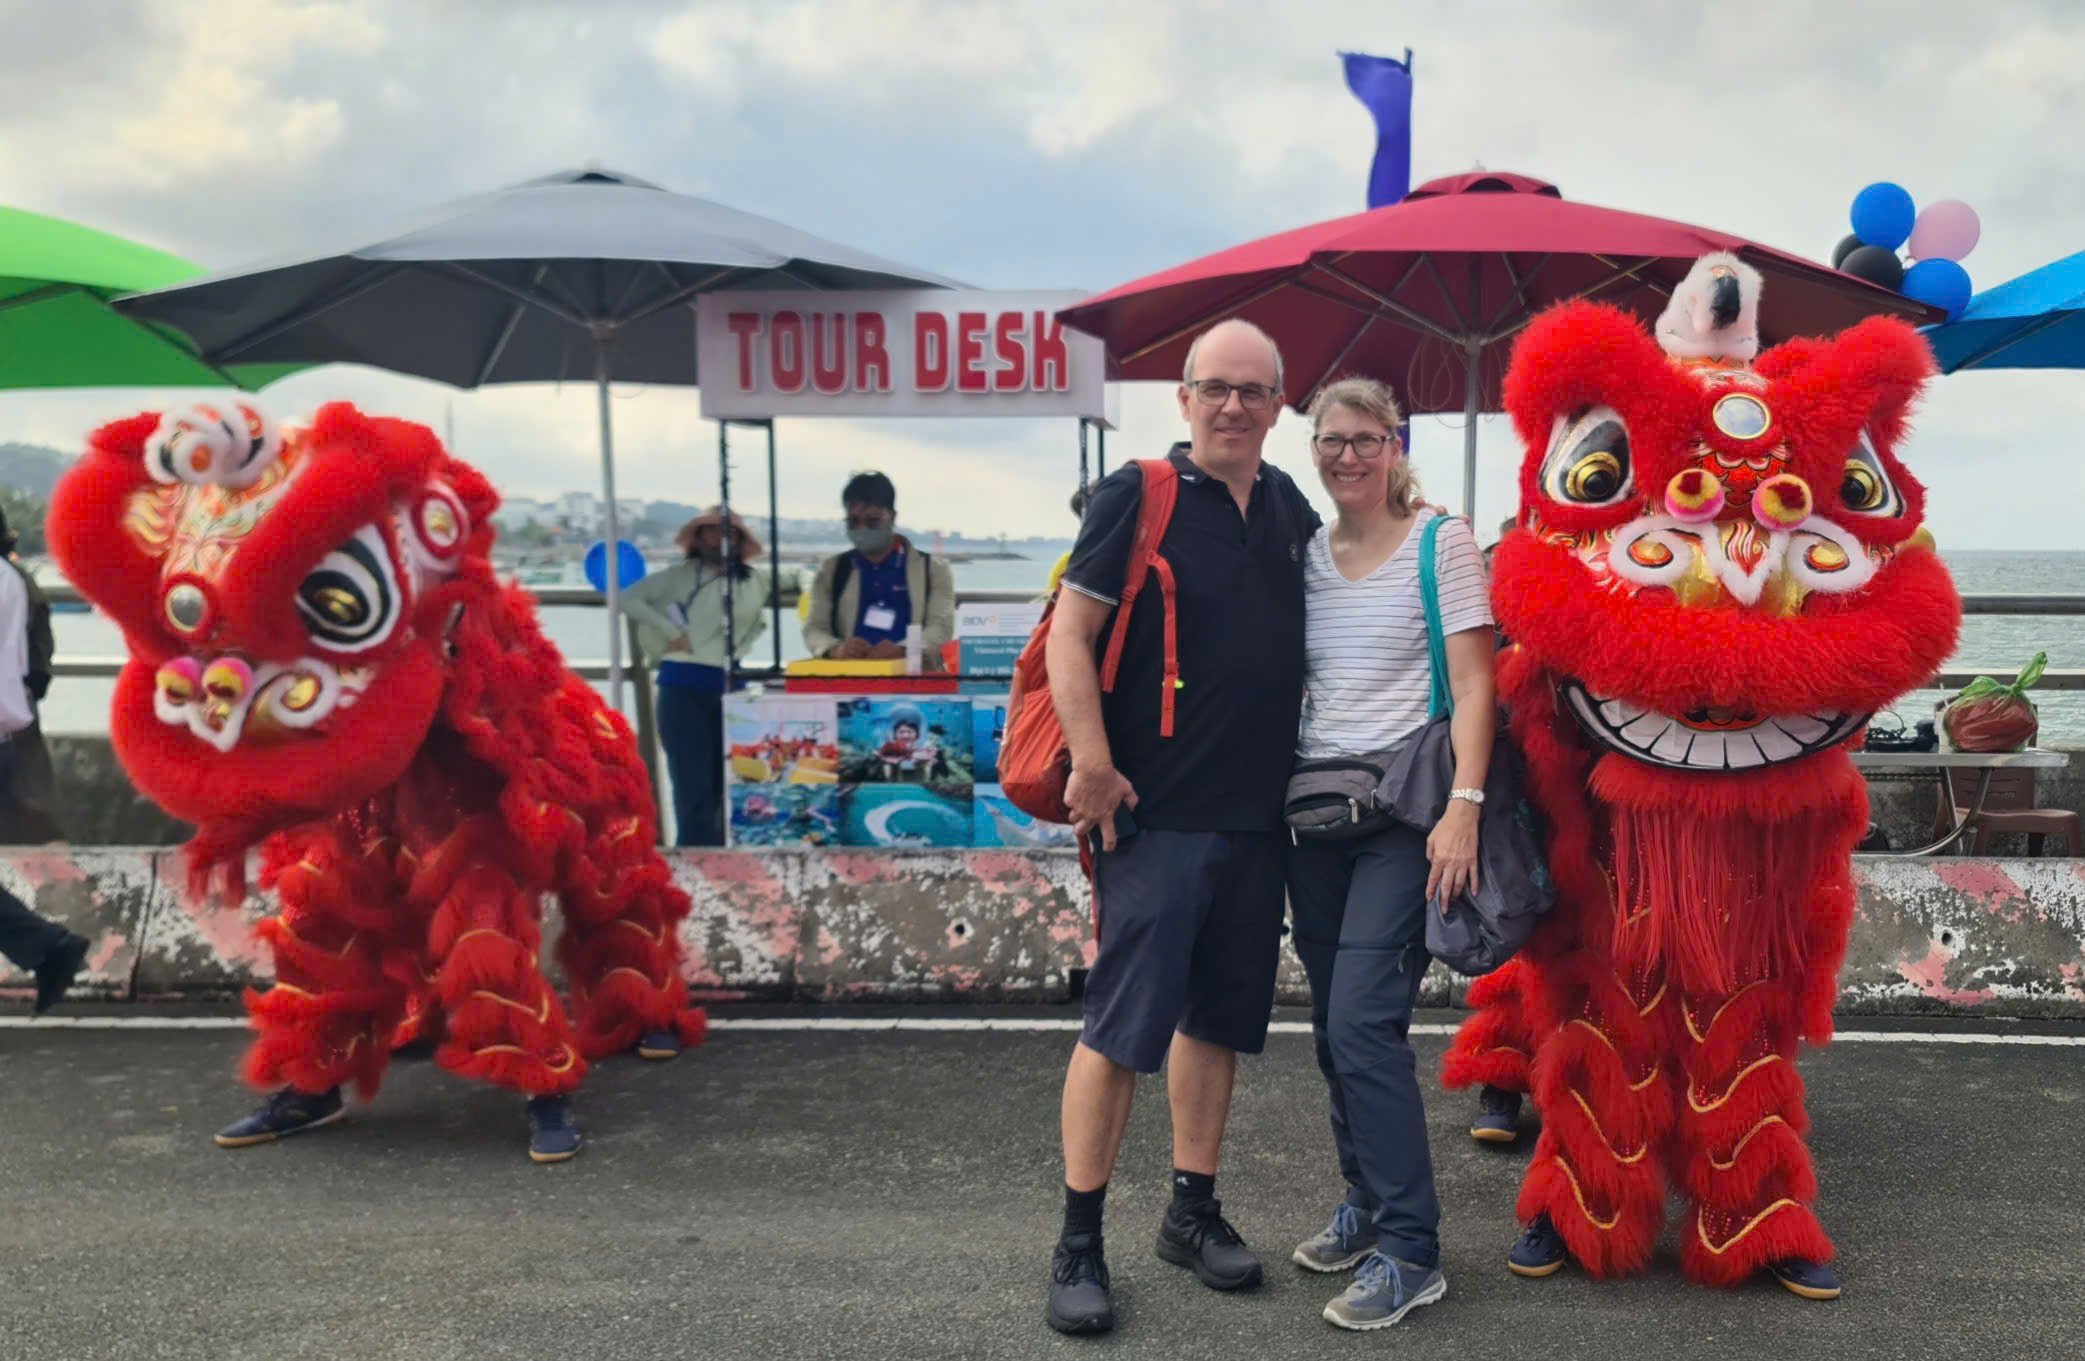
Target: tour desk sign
column 916, row 352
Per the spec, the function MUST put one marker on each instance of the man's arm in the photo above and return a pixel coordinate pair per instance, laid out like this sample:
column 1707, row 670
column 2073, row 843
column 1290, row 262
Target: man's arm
column 940, row 624
column 819, row 639
column 1096, row 788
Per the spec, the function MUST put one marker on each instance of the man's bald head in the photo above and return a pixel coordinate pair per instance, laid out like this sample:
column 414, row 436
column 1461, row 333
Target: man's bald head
column 1228, row 335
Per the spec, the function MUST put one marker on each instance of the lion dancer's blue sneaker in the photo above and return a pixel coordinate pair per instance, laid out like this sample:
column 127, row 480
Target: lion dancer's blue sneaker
column 1498, row 1116
column 1539, row 1251
column 287, row 1112
column 1384, row 1291
column 1811, row 1280
column 659, row 1045
column 552, row 1137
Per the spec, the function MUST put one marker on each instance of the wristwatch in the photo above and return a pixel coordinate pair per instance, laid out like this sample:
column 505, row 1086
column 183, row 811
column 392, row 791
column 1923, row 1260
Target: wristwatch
column 1473, row 795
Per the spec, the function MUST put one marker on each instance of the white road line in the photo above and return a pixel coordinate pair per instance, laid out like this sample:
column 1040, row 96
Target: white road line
column 981, row 1024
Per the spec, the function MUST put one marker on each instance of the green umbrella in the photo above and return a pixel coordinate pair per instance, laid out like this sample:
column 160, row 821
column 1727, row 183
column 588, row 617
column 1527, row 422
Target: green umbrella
column 57, row 329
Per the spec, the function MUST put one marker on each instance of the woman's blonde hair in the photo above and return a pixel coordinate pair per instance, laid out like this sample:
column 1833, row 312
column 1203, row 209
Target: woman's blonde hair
column 1373, row 400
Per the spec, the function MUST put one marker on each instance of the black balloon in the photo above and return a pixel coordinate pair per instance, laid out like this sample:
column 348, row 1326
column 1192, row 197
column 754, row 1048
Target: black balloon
column 1876, row 265
column 1848, row 244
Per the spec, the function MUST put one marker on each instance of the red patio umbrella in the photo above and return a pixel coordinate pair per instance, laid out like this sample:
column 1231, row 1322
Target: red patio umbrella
column 1427, row 293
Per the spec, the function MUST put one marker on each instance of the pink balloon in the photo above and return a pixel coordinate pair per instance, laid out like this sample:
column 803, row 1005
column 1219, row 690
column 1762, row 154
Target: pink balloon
column 1946, row 230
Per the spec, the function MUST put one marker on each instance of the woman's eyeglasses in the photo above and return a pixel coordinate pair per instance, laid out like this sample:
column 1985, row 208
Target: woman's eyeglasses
column 1330, row 447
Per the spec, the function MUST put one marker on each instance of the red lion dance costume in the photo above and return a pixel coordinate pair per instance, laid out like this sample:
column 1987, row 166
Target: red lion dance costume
column 1718, row 574
column 322, row 663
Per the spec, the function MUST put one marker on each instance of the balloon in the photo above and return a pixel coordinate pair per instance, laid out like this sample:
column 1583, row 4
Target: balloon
column 1938, row 283
column 1883, row 215
column 629, row 565
column 1875, row 264
column 1847, row 246
column 1946, row 230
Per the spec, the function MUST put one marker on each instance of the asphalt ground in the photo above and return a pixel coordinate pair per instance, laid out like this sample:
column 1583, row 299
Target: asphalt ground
column 816, row 1193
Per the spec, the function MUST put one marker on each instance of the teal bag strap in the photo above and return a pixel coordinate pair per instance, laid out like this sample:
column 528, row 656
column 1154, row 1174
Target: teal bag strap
column 1442, row 700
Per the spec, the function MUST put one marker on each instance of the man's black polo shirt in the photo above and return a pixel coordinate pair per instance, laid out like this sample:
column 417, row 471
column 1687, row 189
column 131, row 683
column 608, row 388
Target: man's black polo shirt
column 1240, row 645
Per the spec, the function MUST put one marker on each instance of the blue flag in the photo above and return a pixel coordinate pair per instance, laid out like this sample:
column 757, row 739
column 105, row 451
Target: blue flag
column 1384, row 85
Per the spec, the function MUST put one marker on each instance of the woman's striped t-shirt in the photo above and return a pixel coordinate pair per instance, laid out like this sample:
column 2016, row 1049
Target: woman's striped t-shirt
column 1366, row 670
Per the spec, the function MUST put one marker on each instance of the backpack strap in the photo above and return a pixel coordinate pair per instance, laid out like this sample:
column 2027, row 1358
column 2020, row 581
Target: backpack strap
column 1154, row 516
column 842, row 574
column 1442, row 699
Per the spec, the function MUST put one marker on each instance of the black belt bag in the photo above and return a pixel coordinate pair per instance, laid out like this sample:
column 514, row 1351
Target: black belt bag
column 1336, row 799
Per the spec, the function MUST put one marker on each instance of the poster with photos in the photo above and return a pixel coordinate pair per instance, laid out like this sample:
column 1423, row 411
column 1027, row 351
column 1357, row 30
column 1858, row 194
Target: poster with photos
column 782, row 763
column 906, row 739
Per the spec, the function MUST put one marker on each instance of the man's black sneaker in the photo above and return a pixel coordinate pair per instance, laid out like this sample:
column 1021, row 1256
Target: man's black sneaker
column 552, row 1137
column 1811, row 1280
column 1539, row 1251
column 1199, row 1238
column 1498, row 1116
column 287, row 1112
column 1079, row 1300
column 61, row 965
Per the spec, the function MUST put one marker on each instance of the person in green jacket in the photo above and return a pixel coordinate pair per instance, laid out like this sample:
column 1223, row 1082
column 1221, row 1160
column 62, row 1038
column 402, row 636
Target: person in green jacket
column 679, row 614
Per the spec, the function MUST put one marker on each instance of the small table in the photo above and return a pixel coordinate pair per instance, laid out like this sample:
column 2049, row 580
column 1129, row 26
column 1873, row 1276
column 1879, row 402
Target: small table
column 1938, row 762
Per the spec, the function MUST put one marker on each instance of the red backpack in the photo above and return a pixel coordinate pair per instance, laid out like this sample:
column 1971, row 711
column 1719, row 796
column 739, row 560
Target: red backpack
column 1034, row 761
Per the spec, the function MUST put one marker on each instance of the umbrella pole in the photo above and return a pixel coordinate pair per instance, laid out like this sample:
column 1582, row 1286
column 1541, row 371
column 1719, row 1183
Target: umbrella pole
column 730, row 554
column 774, row 545
column 1473, row 401
column 612, row 552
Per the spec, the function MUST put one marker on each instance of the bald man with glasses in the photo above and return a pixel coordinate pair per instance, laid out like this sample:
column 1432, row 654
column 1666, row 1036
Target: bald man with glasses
column 1187, row 828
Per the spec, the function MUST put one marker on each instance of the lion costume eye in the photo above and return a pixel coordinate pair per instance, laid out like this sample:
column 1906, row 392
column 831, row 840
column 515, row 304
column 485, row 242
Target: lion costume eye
column 1864, row 488
column 1588, row 462
column 350, row 601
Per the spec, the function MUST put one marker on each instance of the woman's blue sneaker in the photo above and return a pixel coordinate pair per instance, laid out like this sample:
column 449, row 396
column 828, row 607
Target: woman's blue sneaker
column 1340, row 1245
column 552, row 1137
column 1539, row 1251
column 1384, row 1291
column 1498, row 1116
column 1811, row 1280
column 287, row 1112
column 659, row 1045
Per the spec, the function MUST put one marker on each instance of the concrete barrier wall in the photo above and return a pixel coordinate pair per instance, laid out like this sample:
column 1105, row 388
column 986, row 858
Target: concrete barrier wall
column 1956, row 935
column 98, row 807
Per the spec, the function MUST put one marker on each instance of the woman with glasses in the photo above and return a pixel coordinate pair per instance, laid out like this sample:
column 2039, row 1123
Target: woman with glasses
column 1358, row 906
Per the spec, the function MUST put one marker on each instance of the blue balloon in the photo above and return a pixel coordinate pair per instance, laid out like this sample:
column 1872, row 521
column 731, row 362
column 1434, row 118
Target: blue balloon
column 629, row 565
column 1883, row 215
column 1938, row 283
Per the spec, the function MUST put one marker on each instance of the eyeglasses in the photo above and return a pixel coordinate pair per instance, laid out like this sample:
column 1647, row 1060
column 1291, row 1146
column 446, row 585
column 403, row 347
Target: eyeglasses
column 1215, row 392
column 1330, row 447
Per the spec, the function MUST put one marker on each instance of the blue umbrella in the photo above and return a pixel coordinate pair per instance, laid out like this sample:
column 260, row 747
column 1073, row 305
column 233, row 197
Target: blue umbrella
column 2036, row 321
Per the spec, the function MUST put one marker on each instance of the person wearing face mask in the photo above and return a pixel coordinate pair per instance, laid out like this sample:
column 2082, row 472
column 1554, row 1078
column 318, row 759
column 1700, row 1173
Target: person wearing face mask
column 864, row 600
column 679, row 614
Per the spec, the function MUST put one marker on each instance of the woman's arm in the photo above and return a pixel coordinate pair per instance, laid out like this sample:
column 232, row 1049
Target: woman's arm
column 1452, row 847
column 640, row 600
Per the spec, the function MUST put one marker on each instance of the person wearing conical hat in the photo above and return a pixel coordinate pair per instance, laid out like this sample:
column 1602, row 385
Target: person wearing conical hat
column 679, row 614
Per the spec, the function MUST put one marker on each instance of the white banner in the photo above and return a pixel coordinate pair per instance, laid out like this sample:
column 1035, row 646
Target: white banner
column 917, row 352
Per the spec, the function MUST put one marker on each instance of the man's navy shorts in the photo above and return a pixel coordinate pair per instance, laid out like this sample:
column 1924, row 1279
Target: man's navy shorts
column 1190, row 934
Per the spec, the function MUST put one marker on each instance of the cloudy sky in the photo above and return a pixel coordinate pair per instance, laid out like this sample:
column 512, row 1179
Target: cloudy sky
column 1045, row 143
